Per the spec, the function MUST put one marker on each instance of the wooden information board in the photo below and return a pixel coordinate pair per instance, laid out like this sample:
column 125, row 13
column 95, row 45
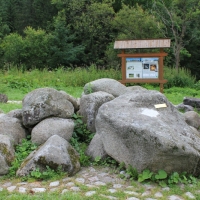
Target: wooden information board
column 142, row 67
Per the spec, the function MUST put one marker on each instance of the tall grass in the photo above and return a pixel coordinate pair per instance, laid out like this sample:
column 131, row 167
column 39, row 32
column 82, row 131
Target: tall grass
column 182, row 78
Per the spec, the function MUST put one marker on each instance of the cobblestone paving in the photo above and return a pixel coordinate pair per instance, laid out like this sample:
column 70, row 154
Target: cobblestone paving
column 92, row 178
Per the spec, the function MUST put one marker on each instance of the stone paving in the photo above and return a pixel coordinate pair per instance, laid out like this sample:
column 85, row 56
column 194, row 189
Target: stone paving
column 93, row 178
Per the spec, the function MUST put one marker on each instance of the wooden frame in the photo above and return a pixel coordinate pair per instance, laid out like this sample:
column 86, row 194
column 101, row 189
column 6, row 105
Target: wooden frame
column 156, row 43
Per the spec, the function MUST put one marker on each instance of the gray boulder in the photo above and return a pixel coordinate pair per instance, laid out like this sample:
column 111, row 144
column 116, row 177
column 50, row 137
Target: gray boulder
column 96, row 148
column 12, row 127
column 55, row 152
column 110, row 86
column 52, row 126
column 193, row 119
column 73, row 100
column 89, row 105
column 17, row 113
column 135, row 87
column 184, row 108
column 191, row 101
column 133, row 131
column 3, row 98
column 43, row 103
column 6, row 154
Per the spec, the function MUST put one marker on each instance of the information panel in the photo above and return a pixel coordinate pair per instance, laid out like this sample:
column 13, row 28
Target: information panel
column 144, row 68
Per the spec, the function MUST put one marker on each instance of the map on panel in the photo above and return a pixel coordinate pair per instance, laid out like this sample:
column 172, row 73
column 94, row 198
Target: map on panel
column 142, row 68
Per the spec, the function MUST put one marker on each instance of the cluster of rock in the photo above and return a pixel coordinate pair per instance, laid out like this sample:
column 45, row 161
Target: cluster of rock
column 127, row 124
column 46, row 115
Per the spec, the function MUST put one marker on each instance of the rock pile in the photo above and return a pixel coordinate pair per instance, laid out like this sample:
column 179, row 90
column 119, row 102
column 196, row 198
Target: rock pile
column 129, row 125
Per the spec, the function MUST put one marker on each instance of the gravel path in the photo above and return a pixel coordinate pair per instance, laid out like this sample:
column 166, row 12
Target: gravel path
column 93, row 178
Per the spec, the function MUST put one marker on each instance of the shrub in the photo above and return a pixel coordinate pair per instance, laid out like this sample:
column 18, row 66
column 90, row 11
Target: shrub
column 182, row 78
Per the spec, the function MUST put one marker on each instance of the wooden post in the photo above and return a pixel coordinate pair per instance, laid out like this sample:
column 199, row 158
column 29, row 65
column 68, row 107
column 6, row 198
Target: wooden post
column 123, row 67
column 161, row 71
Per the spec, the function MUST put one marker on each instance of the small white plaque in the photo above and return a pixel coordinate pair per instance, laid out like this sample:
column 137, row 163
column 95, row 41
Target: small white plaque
column 163, row 105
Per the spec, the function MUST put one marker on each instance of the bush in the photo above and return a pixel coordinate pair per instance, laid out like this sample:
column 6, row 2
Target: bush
column 182, row 78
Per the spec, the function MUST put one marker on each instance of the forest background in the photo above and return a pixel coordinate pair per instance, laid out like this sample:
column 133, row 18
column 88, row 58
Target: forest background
column 48, row 34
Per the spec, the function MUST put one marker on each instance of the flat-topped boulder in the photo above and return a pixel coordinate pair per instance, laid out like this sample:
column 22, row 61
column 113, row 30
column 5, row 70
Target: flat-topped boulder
column 133, row 131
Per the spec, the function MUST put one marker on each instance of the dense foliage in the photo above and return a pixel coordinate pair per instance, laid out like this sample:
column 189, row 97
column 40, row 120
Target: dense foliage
column 70, row 33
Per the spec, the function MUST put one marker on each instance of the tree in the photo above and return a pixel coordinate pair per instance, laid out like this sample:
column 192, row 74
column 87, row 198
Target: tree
column 178, row 16
column 63, row 51
column 136, row 23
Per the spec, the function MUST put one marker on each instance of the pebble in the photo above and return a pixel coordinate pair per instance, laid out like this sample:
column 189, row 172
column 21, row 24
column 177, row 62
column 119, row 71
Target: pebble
column 75, row 189
column 117, row 186
column 132, row 198
column 90, row 193
column 190, row 195
column 54, row 184
column 36, row 190
column 158, row 194
column 174, row 197
column 11, row 188
column 112, row 191
column 80, row 180
column 132, row 193
column 22, row 190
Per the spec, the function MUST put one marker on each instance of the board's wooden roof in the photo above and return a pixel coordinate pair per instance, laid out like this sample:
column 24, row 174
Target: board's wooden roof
column 142, row 44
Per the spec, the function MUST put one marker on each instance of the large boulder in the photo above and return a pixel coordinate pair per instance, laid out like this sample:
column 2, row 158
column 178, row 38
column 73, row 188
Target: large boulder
column 192, row 101
column 3, row 98
column 193, row 119
column 6, row 153
column 89, row 105
column 96, row 148
column 108, row 85
column 12, row 127
column 184, row 108
column 17, row 113
column 133, row 131
column 43, row 103
column 52, row 126
column 55, row 152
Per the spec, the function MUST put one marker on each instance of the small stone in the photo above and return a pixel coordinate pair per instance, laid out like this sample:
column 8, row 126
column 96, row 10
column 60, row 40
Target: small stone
column 131, row 193
column 112, row 191
column 54, row 184
column 11, row 188
column 93, row 179
column 99, row 183
column 109, row 197
column 80, row 180
column 7, row 184
column 149, row 187
column 22, row 183
column 117, row 186
column 70, row 184
column 91, row 186
column 1, row 189
column 132, row 198
column 66, row 179
column 36, row 190
column 22, row 190
column 92, row 169
column 122, row 172
column 146, row 193
column 150, row 199
column 129, row 187
column 103, row 174
column 190, row 195
column 158, row 194
column 75, row 189
column 64, row 191
column 53, row 189
column 90, row 193
column 174, row 197
column 166, row 189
